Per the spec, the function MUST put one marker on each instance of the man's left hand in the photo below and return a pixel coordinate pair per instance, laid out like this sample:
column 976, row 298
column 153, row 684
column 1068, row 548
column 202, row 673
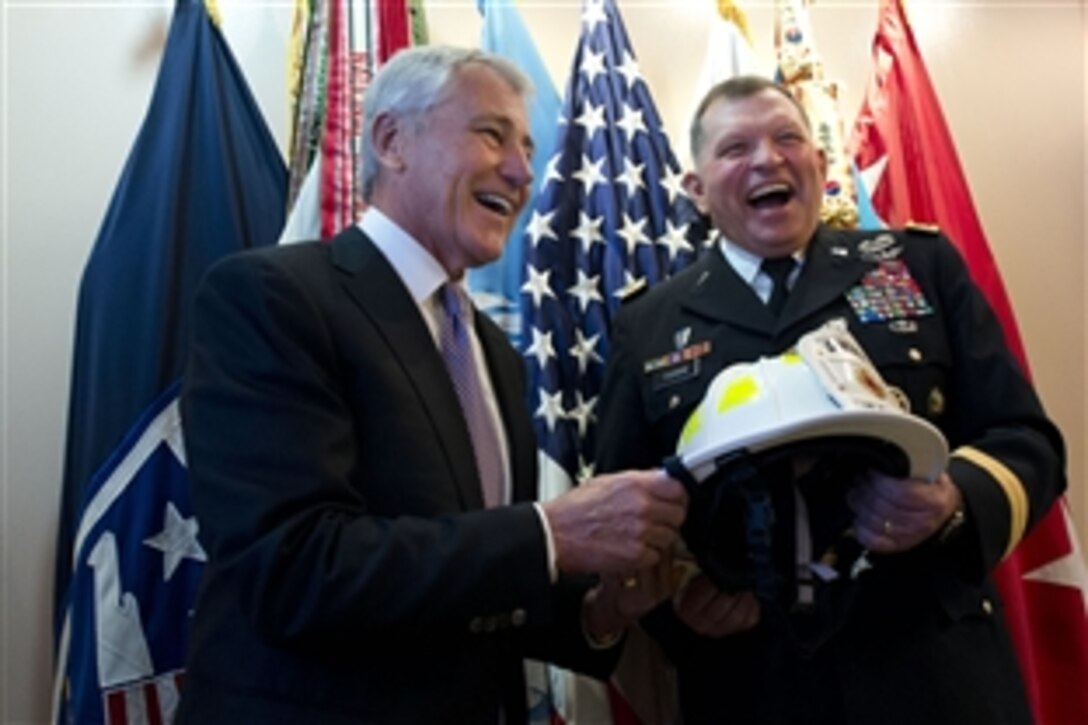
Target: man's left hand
column 893, row 515
column 620, row 600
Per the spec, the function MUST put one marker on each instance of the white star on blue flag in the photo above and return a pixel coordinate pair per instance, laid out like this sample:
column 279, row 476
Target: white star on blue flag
column 616, row 216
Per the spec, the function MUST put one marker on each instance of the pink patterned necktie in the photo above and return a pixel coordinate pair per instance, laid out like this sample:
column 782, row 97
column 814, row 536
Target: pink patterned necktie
column 456, row 349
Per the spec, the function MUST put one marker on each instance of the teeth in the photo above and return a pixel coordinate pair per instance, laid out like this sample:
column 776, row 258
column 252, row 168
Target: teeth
column 767, row 190
column 498, row 203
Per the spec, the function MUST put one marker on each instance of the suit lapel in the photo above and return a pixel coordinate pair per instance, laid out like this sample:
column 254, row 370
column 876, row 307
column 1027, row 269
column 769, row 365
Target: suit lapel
column 509, row 388
column 832, row 266
column 379, row 293
column 718, row 293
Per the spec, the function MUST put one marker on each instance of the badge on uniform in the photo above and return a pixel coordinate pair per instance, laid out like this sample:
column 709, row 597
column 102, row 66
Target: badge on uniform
column 677, row 366
column 889, row 293
column 881, row 248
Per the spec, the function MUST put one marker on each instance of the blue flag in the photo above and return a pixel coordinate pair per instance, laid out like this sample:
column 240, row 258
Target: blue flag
column 495, row 287
column 204, row 178
column 867, row 216
column 612, row 215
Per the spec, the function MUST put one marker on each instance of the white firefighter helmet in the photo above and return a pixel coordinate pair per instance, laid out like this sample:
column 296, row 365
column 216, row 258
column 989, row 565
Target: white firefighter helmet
column 825, row 387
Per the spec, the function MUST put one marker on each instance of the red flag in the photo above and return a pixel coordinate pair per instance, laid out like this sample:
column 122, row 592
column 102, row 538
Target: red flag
column 337, row 145
column 331, row 62
column 396, row 28
column 901, row 126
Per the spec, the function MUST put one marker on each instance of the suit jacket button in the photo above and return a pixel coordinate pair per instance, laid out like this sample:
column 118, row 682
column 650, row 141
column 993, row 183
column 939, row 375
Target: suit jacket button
column 518, row 617
column 476, row 625
column 489, row 624
column 987, row 606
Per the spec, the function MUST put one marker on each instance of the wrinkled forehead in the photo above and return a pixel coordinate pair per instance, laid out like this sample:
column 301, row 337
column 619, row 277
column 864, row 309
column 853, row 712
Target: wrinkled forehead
column 485, row 88
column 763, row 111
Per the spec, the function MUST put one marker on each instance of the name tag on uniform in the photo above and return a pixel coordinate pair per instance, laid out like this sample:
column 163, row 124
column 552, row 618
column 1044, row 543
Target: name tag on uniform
column 677, row 366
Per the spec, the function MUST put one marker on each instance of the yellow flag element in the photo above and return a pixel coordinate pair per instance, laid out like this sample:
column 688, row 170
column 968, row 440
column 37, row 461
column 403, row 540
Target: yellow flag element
column 212, row 6
column 732, row 13
column 296, row 49
column 802, row 72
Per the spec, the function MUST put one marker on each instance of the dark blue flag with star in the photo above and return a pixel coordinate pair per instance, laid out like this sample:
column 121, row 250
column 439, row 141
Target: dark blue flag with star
column 611, row 216
column 204, row 178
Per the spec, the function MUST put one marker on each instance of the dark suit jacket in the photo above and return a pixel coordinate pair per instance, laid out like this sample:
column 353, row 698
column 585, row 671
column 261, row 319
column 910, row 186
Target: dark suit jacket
column 353, row 575
column 924, row 640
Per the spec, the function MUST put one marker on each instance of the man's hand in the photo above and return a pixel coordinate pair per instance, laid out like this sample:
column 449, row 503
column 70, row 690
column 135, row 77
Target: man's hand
column 616, row 523
column 893, row 515
column 713, row 613
column 620, row 600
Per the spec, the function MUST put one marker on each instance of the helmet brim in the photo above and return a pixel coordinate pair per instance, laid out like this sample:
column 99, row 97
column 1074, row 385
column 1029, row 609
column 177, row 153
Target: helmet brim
column 922, row 443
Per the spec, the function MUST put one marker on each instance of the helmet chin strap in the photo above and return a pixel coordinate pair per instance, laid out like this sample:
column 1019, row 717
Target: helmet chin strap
column 751, row 491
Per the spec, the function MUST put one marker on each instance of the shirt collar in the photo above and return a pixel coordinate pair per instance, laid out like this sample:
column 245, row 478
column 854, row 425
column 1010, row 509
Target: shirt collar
column 747, row 264
column 416, row 267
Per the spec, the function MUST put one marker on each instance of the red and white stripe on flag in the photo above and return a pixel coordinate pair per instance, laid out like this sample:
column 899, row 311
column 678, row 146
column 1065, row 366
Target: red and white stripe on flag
column 145, row 702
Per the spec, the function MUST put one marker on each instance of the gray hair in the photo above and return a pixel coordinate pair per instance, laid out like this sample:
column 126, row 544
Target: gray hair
column 415, row 80
column 734, row 89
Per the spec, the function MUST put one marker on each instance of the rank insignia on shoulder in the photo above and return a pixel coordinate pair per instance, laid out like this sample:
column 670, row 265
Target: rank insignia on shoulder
column 632, row 290
column 888, row 292
column 922, row 228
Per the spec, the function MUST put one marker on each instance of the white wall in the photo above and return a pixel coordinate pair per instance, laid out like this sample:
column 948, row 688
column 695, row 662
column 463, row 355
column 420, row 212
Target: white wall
column 76, row 78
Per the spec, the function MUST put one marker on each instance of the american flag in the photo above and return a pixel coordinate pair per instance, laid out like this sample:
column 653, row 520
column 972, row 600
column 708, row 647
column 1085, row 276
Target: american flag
column 611, row 215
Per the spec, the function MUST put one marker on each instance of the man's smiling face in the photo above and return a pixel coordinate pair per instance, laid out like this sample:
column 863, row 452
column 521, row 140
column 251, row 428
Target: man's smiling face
column 467, row 170
column 759, row 175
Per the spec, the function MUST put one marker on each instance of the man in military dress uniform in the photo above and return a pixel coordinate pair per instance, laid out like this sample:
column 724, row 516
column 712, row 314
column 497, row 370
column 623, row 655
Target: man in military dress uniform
column 919, row 636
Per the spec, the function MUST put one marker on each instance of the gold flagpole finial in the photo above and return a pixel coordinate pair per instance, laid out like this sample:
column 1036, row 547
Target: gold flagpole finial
column 730, row 12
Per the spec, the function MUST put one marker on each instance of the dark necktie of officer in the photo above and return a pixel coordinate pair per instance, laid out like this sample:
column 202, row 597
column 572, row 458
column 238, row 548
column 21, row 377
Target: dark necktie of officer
column 456, row 349
column 779, row 271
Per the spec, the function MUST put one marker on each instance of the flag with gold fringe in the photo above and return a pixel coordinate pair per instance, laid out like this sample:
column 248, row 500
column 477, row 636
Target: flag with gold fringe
column 801, row 69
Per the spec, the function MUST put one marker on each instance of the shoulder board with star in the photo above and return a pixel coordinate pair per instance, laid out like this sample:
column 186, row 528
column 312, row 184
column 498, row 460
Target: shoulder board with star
column 920, row 228
column 633, row 290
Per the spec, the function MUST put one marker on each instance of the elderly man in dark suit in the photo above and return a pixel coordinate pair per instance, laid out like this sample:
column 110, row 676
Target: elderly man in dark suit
column 363, row 466
column 919, row 637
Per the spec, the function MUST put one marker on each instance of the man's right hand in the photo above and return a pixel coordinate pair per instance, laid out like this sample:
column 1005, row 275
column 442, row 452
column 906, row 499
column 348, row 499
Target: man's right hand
column 616, row 523
column 714, row 613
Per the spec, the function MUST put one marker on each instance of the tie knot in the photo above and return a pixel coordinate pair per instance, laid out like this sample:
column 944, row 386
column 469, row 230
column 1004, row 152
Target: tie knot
column 778, row 269
column 450, row 297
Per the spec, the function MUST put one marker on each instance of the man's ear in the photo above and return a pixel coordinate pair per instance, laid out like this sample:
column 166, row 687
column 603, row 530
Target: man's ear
column 693, row 185
column 387, row 138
